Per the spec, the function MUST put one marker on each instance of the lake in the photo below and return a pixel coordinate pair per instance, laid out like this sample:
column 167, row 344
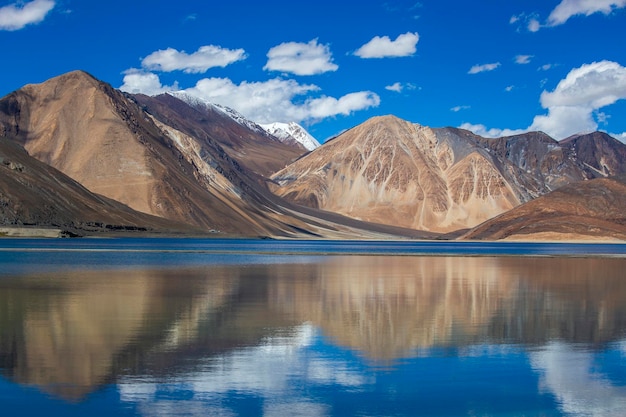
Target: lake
column 194, row 327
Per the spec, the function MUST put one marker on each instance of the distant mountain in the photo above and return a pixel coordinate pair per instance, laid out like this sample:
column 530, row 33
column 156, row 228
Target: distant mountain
column 584, row 210
column 391, row 171
column 555, row 164
column 292, row 132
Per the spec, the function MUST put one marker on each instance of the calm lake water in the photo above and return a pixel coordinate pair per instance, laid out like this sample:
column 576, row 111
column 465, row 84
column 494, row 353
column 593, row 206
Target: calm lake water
column 186, row 327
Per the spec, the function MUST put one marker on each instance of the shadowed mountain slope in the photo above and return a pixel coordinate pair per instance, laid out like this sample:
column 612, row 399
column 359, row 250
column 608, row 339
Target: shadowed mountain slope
column 254, row 149
column 35, row 194
column 600, row 154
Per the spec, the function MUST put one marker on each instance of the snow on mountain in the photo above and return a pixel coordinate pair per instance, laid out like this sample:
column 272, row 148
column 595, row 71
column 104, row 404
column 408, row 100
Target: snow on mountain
column 292, row 131
column 284, row 132
column 200, row 103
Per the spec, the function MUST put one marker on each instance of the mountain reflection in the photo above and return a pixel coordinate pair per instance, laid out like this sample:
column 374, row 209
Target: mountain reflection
column 69, row 333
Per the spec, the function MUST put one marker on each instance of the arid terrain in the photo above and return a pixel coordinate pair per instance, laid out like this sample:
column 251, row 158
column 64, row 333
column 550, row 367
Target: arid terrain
column 80, row 157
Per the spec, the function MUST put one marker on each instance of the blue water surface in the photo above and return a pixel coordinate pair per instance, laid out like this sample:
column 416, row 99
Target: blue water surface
column 312, row 328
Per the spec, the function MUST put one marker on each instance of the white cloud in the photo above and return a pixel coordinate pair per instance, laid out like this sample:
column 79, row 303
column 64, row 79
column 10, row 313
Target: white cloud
column 483, row 131
column 384, row 47
column 300, row 58
column 205, row 57
column 18, row 15
column 562, row 121
column 398, row 87
column 584, row 90
column 619, row 136
column 137, row 81
column 573, row 105
column 457, row 109
column 546, row 67
column 528, row 21
column 592, row 85
column 324, row 107
column 534, row 25
column 523, row 59
column 509, row 88
column 482, row 68
column 265, row 370
column 273, row 100
column 568, row 8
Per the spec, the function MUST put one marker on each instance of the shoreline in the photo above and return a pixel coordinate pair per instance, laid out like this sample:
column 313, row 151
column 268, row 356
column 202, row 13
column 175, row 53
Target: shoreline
column 540, row 238
column 34, row 232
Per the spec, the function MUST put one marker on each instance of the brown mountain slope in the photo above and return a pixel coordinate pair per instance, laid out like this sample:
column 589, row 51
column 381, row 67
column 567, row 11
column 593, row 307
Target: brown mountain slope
column 391, row 171
column 600, row 154
column 591, row 209
column 255, row 150
column 554, row 164
column 94, row 134
column 35, row 194
column 107, row 142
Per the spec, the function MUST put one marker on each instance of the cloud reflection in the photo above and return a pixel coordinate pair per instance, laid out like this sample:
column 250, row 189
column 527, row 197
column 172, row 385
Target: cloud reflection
column 276, row 372
column 569, row 374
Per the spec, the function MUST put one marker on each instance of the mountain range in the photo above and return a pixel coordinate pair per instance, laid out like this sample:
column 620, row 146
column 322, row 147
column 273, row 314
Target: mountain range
column 84, row 157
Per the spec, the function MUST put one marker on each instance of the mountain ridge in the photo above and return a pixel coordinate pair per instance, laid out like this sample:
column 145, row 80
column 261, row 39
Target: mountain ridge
column 291, row 133
column 201, row 165
column 392, row 171
column 108, row 142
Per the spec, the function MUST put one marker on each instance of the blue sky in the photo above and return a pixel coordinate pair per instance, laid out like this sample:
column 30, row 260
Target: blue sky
column 495, row 67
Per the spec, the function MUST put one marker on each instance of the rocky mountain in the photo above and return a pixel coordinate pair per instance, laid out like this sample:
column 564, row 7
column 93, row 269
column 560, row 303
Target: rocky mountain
column 292, row 133
column 584, row 210
column 190, row 163
column 289, row 133
column 94, row 134
column 555, row 164
column 206, row 106
column 163, row 157
column 391, row 171
column 599, row 154
column 256, row 151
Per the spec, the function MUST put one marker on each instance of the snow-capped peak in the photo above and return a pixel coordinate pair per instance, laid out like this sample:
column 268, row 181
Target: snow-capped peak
column 200, row 103
column 284, row 132
column 293, row 131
